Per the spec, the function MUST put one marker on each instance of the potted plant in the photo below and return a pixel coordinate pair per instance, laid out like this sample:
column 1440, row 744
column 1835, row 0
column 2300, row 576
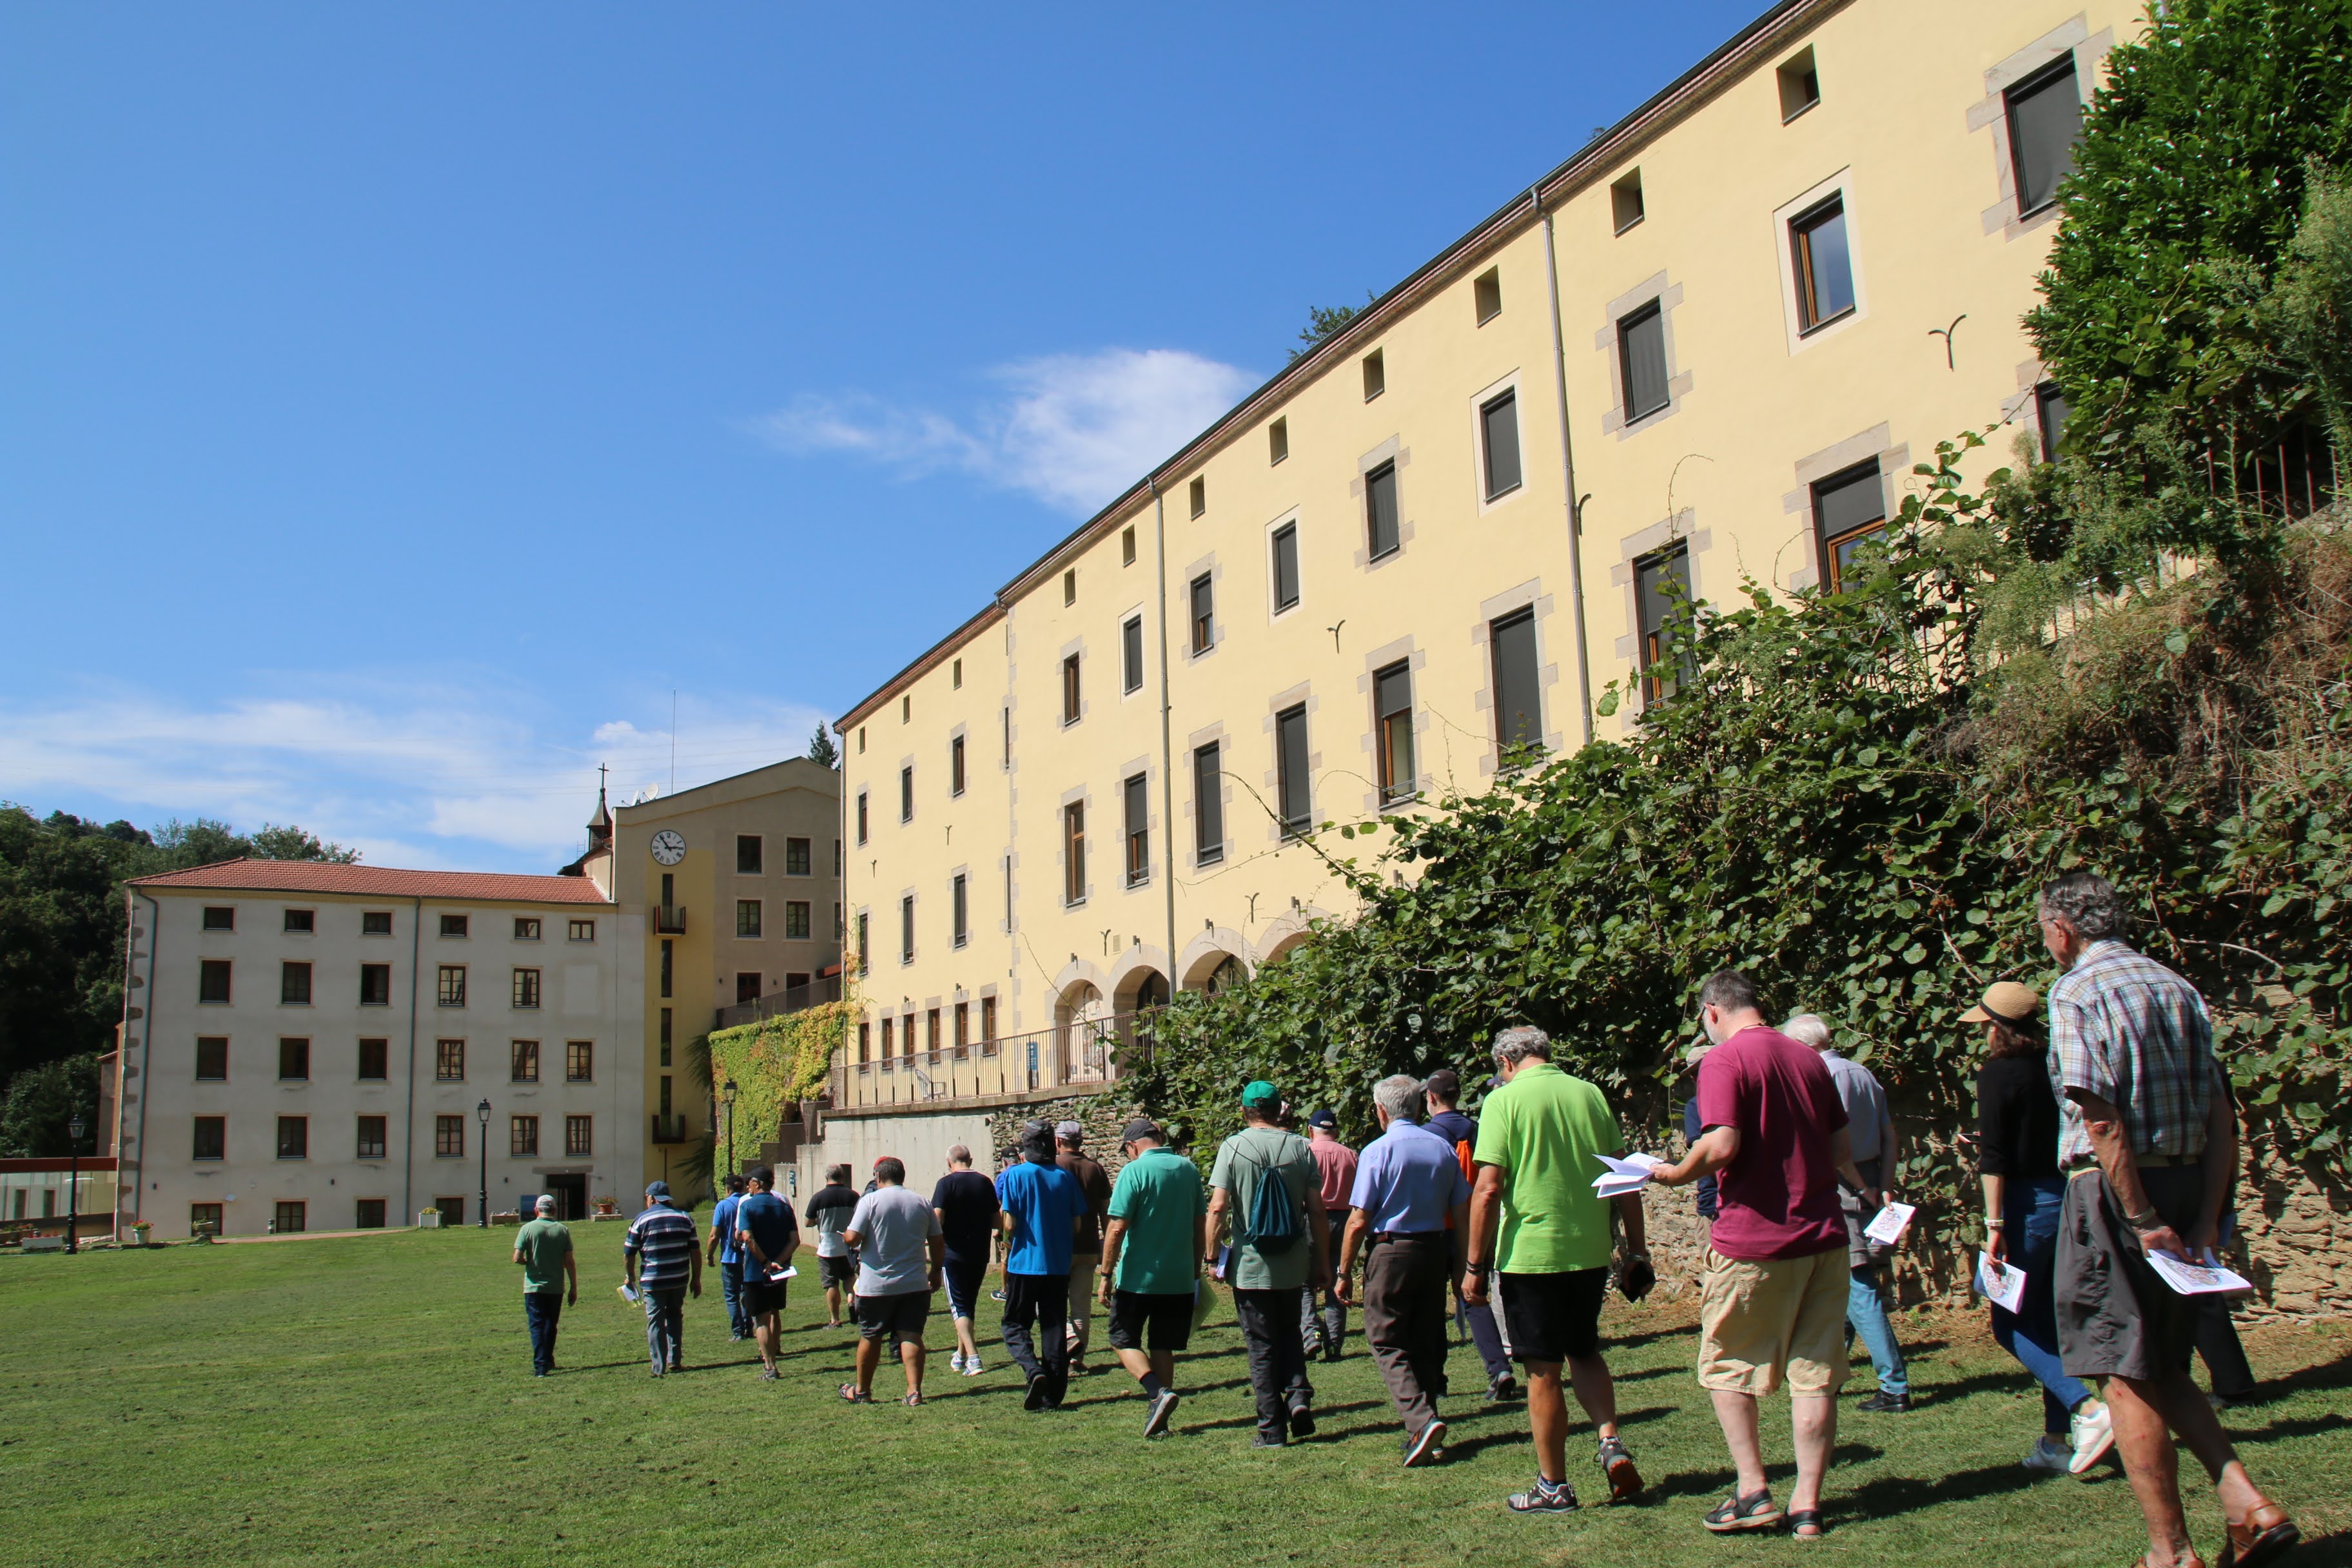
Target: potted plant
column 139, row 1229
column 605, row 1207
column 429, row 1219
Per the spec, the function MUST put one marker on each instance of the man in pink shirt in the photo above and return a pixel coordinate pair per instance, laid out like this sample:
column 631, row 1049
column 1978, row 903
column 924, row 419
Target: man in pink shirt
column 1773, row 1293
column 1337, row 1162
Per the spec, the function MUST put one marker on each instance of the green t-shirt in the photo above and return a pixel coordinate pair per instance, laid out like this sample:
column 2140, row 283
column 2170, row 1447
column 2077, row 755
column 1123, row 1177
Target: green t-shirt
column 1242, row 1160
column 545, row 1244
column 1546, row 1132
column 1161, row 1197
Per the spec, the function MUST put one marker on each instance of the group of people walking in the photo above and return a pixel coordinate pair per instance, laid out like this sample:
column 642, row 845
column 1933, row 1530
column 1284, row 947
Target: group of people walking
column 2106, row 1134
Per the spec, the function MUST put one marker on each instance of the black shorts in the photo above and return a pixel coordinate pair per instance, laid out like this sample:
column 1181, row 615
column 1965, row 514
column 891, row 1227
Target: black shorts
column 841, row 1271
column 1169, row 1320
column 903, row 1315
column 1554, row 1317
column 761, row 1298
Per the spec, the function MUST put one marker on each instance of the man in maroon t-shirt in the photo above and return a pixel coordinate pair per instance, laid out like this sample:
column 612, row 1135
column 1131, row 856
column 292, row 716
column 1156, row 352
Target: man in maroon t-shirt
column 1772, row 1303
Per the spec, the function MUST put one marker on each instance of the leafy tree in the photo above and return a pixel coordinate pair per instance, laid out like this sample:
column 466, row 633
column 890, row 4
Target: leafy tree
column 1322, row 320
column 822, row 748
column 36, row 1118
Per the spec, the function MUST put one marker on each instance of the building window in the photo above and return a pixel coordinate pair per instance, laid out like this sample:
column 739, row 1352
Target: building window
column 1848, row 508
column 1285, row 567
column 889, row 1035
column 861, row 740
column 220, row 917
column 449, row 1137
column 906, row 794
column 212, row 980
column 863, row 946
column 1208, row 807
column 1393, row 712
column 963, row 1030
column 1642, row 361
column 449, row 1061
column 747, row 854
column 288, row 1218
column 1125, row 558
column 1005, row 764
column 797, row 856
column 2050, row 414
column 580, row 1061
column 453, row 925
column 1130, row 654
column 582, row 931
column 955, row 764
column 1297, row 799
column 294, row 984
column 988, row 1025
column 1824, row 269
column 865, row 1044
column 931, row 1032
column 1070, row 587
column 293, row 1062
column 212, row 1059
column 375, row 984
column 1074, row 853
column 1205, row 613
column 526, row 988
column 203, row 1214
column 666, row 1035
column 668, row 964
column 211, row 1138
column 376, row 1061
column 1198, row 494
column 1498, row 430
column 1381, row 510
column 293, row 1137
column 861, row 817
column 522, row 1136
column 1518, row 700
column 1487, row 294
column 2046, row 120
column 1070, row 689
column 1800, row 84
column 1278, row 441
column 961, row 907
column 746, row 988
column 1138, row 831
column 368, row 1215
column 526, row 928
column 747, row 917
column 1627, row 203
column 906, row 929
column 304, row 921
column 1662, row 595
column 375, row 922
column 796, row 920
column 450, row 990
column 796, row 981
column 523, row 1056
column 370, row 1140
column 1376, row 375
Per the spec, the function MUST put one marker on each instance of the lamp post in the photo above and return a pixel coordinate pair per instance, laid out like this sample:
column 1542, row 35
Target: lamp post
column 73, row 1183
column 482, row 1115
column 727, row 1097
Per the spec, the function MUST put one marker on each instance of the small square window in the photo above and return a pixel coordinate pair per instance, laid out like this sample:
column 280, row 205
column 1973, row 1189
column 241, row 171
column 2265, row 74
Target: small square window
column 749, row 854
column 797, row 856
column 375, row 922
column 287, row 1218
column 211, row 1138
column 1800, row 84
column 302, row 919
column 526, row 928
column 1626, row 206
column 1070, row 587
column 450, row 985
column 1376, row 375
column 522, row 1058
column 376, row 1061
column 1487, row 294
column 579, row 1136
column 368, row 1215
column 294, row 984
column 522, row 1136
column 1198, row 495
column 372, row 1140
column 212, row 1059
column 956, row 677
column 220, row 917
column 449, row 1142
column 582, row 931
column 1278, row 441
column 1125, row 558
column 204, row 1219
column 293, row 1137
column 212, row 980
column 453, row 925
column 796, row 920
column 293, row 1062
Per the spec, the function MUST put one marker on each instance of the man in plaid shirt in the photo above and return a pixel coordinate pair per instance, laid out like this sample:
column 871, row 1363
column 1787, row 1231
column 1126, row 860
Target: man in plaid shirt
column 2148, row 1139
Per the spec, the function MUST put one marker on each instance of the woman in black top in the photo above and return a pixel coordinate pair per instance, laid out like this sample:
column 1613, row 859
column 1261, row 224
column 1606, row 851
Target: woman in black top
column 2016, row 1144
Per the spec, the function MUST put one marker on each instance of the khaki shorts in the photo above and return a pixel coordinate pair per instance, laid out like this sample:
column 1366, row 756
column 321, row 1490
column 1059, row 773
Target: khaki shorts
column 1760, row 1322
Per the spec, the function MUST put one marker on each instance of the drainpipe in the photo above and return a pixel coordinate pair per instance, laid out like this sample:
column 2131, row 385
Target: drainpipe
column 146, row 1065
column 408, row 1123
column 1166, row 767
column 1567, row 470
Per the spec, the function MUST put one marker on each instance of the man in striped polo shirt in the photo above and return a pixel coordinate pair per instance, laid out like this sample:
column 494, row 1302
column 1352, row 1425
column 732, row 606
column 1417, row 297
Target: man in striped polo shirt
column 660, row 1262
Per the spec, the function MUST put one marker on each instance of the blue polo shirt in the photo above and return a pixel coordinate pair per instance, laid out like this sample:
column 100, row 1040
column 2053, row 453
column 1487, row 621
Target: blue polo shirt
column 1046, row 1201
column 722, row 1223
column 1408, row 1179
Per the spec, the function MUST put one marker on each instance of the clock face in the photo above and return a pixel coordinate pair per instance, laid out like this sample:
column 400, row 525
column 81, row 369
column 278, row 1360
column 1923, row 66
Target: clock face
column 669, row 847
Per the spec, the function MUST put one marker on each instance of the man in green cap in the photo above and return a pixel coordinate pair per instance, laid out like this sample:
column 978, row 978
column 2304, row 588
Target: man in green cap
column 1266, row 1183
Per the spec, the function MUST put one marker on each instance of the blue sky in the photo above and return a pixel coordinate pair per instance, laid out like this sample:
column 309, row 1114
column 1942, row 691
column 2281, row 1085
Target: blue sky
column 402, row 402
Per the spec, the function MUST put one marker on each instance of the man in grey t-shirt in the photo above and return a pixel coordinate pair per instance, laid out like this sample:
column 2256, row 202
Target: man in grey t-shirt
column 1872, row 1125
column 901, row 1246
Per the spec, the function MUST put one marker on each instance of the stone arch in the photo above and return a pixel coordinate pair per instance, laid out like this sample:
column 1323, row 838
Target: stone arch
column 1206, row 953
column 1285, row 933
column 1083, row 1041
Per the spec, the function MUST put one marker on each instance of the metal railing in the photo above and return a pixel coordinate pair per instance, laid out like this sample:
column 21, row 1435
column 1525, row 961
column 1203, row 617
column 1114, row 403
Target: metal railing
column 775, row 1004
column 668, row 1129
column 669, row 919
column 1077, row 1057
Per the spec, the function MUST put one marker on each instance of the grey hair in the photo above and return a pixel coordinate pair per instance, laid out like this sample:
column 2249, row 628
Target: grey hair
column 1807, row 1029
column 546, row 1204
column 1519, row 1042
column 1399, row 1095
column 2088, row 903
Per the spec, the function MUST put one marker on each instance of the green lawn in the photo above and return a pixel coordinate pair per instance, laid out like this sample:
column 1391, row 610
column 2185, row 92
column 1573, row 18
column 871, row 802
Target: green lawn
column 368, row 1400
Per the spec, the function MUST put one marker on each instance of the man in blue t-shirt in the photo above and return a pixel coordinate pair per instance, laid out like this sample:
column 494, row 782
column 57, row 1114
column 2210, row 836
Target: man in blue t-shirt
column 767, row 1239
column 1042, row 1204
column 721, row 1250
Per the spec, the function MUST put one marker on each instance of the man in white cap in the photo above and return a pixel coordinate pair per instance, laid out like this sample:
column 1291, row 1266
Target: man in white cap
column 543, row 1249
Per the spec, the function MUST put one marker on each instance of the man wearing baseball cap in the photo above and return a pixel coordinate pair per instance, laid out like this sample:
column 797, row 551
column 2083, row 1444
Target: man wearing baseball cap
column 661, row 1263
column 1337, row 1164
column 1086, row 1246
column 1151, row 1264
column 1267, row 1185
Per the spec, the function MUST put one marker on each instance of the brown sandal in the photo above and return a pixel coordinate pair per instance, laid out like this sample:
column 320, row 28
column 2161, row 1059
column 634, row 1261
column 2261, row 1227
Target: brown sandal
column 2264, row 1537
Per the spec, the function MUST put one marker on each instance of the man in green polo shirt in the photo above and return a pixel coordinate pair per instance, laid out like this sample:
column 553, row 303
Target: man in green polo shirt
column 1151, row 1264
column 543, row 1249
column 1540, row 1137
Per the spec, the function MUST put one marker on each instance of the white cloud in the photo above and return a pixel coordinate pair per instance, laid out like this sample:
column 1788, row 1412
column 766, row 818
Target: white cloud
column 1074, row 431
column 411, row 773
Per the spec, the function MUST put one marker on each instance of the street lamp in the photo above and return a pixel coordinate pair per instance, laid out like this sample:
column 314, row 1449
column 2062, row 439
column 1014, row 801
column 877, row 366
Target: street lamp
column 482, row 1115
column 73, row 1183
column 727, row 1097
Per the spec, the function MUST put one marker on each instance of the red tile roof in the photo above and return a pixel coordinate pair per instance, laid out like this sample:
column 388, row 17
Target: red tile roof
column 376, row 881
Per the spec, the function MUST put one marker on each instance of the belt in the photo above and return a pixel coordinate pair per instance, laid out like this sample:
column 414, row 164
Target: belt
column 1408, row 1234
column 2076, row 1166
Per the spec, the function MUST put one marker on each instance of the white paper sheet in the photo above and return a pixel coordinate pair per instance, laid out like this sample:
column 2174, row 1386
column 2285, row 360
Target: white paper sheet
column 1629, row 1174
column 629, row 1293
column 2004, row 1287
column 2206, row 1279
column 775, row 1276
column 1892, row 1222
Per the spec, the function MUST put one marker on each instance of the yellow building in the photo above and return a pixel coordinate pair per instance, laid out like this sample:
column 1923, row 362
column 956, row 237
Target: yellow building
column 1731, row 324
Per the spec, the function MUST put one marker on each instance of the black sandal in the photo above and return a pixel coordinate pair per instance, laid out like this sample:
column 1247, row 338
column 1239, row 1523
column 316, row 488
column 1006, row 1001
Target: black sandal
column 1805, row 1524
column 1756, row 1510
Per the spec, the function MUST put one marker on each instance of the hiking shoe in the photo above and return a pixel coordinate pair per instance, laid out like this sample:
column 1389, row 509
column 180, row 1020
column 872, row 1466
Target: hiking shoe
column 955, row 1362
column 2093, row 1429
column 1624, row 1480
column 1884, row 1404
column 1268, row 1440
column 769, row 1375
column 1421, row 1448
column 1302, row 1421
column 1545, row 1497
column 2050, row 1456
column 1163, row 1408
column 1503, row 1387
column 1735, row 1513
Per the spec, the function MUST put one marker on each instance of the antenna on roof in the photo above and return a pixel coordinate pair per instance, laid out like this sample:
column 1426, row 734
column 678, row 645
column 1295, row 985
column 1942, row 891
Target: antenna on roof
column 673, row 740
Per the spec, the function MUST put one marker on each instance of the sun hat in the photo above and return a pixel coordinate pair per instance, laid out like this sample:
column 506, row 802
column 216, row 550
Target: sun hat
column 2005, row 1002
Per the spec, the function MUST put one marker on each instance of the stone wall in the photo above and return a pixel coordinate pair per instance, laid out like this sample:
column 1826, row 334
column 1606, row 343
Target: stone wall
column 1104, row 1116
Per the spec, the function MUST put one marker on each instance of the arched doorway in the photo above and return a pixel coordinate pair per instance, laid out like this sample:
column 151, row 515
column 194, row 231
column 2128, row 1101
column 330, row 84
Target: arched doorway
column 1140, row 1012
column 1083, row 1034
column 1225, row 976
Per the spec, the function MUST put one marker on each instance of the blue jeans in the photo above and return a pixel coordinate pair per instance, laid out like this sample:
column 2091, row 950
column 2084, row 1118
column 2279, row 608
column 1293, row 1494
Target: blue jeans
column 540, row 1310
column 731, row 1285
column 1866, row 1309
column 665, row 1326
column 2034, row 1206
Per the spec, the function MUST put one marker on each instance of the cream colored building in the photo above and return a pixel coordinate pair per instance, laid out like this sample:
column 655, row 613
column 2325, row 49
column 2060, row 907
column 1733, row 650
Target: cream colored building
column 738, row 885
column 1731, row 324
column 313, row 1047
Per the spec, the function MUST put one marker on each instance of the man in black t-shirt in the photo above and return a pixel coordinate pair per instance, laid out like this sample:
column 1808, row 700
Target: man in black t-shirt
column 828, row 1215
column 965, row 1202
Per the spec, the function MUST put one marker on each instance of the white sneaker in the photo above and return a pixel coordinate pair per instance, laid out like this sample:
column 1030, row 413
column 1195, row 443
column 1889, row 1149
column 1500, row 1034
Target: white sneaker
column 971, row 1366
column 2094, row 1432
column 955, row 1362
column 2050, row 1456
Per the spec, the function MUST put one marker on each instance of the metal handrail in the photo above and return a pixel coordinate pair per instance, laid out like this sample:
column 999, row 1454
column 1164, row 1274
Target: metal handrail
column 1078, row 1056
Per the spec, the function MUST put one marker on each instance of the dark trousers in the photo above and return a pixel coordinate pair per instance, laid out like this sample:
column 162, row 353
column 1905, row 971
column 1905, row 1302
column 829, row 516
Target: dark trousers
column 1043, row 1299
column 540, row 1310
column 1404, row 1322
column 1486, row 1334
column 1333, row 1329
column 731, row 1284
column 665, row 1326
column 1277, row 1361
column 2225, row 1358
